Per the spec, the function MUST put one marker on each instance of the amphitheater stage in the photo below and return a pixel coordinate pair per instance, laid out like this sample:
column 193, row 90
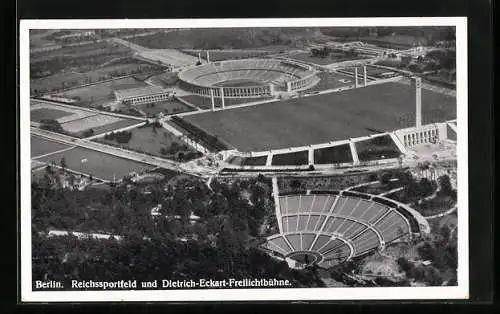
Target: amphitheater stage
column 323, row 118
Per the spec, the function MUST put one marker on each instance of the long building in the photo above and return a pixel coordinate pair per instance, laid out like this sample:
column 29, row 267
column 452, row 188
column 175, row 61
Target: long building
column 142, row 95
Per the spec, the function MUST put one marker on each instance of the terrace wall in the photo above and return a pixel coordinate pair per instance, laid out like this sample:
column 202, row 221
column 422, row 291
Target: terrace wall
column 402, row 139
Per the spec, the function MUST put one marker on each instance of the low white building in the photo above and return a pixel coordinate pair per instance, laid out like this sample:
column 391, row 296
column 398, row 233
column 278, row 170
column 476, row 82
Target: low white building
column 142, row 95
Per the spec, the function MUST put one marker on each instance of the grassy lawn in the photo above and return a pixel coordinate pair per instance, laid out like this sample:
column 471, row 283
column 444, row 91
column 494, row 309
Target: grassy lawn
column 95, row 95
column 294, row 159
column 167, row 107
column 321, row 118
column 151, row 141
column 333, row 155
column 48, row 114
column 250, row 161
column 95, row 163
column 381, row 147
column 41, row 146
column 331, row 81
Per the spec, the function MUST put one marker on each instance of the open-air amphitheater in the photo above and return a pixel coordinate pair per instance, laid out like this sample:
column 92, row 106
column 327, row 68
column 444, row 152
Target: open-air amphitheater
column 331, row 227
column 247, row 78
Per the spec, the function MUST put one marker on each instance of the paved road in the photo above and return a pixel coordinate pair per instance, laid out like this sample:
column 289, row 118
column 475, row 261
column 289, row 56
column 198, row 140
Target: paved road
column 114, row 114
column 127, row 154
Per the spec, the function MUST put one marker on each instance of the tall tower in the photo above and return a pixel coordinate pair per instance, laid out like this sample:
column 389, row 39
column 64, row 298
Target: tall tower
column 356, row 77
column 199, row 57
column 208, row 57
column 417, row 84
column 364, row 76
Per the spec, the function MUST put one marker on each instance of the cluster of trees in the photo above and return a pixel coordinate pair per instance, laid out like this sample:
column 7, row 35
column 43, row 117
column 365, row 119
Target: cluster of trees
column 211, row 141
column 327, row 51
column 88, row 132
column 120, row 32
column 51, row 125
column 427, row 35
column 446, row 58
column 441, row 251
column 223, row 38
column 121, row 137
column 150, row 248
column 85, row 62
column 181, row 152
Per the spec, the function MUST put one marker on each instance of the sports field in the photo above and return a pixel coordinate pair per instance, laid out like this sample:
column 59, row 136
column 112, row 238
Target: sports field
column 147, row 140
column 322, row 118
column 47, row 114
column 98, row 94
column 331, row 80
column 166, row 107
column 41, row 146
column 100, row 165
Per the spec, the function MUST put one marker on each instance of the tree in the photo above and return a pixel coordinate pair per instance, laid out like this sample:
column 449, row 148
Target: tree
column 385, row 178
column 405, row 265
column 62, row 162
column 445, row 187
column 295, row 184
column 49, row 170
column 427, row 251
column 432, row 276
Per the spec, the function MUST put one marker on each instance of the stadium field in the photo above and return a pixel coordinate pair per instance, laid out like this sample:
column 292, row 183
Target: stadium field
column 323, row 118
column 41, row 146
column 100, row 165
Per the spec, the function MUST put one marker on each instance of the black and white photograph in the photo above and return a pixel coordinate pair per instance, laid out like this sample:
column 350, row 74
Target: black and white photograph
column 244, row 159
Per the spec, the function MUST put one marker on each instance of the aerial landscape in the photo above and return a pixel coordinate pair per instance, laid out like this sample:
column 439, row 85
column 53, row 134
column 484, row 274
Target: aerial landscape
column 313, row 156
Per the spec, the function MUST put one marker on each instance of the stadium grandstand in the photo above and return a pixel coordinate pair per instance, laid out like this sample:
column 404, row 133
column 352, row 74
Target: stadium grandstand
column 329, row 228
column 247, row 78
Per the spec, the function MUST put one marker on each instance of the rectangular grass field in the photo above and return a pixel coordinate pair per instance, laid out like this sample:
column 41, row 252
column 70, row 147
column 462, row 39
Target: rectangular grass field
column 48, row 114
column 145, row 140
column 323, row 118
column 166, row 107
column 41, row 146
column 98, row 94
column 100, row 165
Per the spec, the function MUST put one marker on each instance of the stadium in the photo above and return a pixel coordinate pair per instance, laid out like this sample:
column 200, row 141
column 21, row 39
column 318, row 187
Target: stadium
column 327, row 228
column 253, row 78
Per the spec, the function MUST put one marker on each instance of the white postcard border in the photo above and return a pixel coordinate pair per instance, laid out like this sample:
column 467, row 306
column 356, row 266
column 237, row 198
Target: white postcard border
column 372, row 293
